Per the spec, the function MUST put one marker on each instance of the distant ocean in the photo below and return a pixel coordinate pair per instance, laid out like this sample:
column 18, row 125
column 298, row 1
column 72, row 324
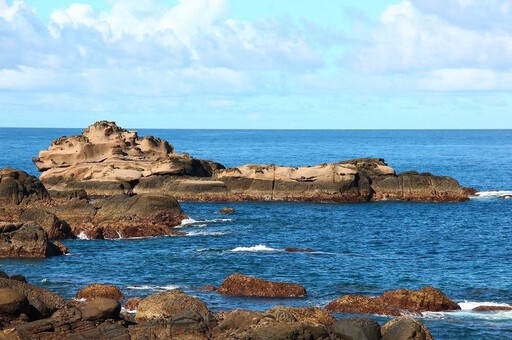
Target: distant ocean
column 465, row 249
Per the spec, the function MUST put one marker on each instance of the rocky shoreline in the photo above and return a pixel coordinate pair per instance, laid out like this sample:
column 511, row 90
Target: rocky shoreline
column 107, row 160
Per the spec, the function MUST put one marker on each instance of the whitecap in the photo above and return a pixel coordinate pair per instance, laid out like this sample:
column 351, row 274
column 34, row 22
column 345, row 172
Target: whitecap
column 491, row 194
column 44, row 280
column 256, row 248
column 469, row 305
column 147, row 287
column 82, row 236
column 187, row 221
column 207, row 233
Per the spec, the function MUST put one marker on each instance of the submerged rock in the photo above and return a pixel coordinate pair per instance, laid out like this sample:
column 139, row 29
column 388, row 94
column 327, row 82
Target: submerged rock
column 241, row 285
column 99, row 290
column 107, row 160
column 209, row 288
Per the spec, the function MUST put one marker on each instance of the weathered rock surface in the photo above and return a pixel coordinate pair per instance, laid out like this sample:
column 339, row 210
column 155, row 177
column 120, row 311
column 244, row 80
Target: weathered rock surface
column 19, row 188
column 227, row 210
column 241, row 285
column 302, row 314
column 357, row 328
column 404, row 328
column 99, row 290
column 26, row 240
column 56, row 228
column 108, row 160
column 132, row 304
column 395, row 303
column 167, row 305
column 42, row 303
column 492, row 309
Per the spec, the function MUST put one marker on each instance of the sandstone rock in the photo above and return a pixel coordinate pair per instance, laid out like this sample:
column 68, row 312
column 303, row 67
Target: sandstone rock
column 17, row 187
column 107, row 160
column 12, row 302
column 97, row 290
column 167, row 305
column 425, row 299
column 492, row 308
column 241, row 285
column 227, row 210
column 42, row 302
column 357, row 328
column 25, row 240
column 132, row 304
column 209, row 288
column 56, row 228
column 404, row 328
column 100, row 308
column 303, row 314
column 358, row 304
column 299, row 250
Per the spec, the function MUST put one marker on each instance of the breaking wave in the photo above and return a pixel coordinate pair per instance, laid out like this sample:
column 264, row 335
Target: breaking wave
column 256, row 248
column 492, row 194
column 207, row 233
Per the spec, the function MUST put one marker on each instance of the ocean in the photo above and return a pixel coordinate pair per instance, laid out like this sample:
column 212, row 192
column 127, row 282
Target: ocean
column 464, row 249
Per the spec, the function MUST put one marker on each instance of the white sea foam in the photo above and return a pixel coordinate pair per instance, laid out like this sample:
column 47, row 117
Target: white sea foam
column 187, row 221
column 207, row 233
column 469, row 305
column 82, row 236
column 44, row 280
column 491, row 194
column 147, row 287
column 467, row 312
column 119, row 234
column 192, row 223
column 256, row 248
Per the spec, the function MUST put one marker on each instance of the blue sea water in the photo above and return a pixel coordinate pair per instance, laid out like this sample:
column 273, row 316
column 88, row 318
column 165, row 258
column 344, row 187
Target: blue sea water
column 464, row 249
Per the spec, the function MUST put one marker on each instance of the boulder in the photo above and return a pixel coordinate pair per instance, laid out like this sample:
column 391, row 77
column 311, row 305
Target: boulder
column 132, row 304
column 97, row 290
column 19, row 188
column 25, row 240
column 167, row 305
column 100, row 308
column 12, row 302
column 209, row 288
column 56, row 228
column 423, row 300
column 303, row 314
column 492, row 309
column 357, row 328
column 42, row 303
column 227, row 210
column 242, row 285
column 358, row 304
column 404, row 328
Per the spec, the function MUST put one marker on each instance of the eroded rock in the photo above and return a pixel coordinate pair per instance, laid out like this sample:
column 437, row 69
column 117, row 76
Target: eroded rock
column 99, row 290
column 242, row 285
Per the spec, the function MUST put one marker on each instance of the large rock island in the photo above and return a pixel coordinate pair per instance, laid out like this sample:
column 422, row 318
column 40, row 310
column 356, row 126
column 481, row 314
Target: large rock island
column 107, row 160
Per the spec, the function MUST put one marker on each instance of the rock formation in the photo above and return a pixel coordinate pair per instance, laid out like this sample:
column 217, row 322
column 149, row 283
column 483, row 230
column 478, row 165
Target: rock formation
column 395, row 303
column 96, row 290
column 241, row 285
column 107, row 160
column 26, row 240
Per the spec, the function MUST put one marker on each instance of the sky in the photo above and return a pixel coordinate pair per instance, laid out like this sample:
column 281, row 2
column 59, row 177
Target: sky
column 245, row 64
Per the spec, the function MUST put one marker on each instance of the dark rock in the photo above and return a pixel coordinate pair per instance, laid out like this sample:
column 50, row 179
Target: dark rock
column 17, row 187
column 101, row 308
column 42, row 303
column 357, row 329
column 56, row 228
column 167, row 305
column 97, row 290
column 299, row 250
column 241, row 285
column 3, row 275
column 209, row 288
column 18, row 277
column 60, row 248
column 302, row 314
column 404, row 328
column 25, row 240
column 12, row 302
column 492, row 308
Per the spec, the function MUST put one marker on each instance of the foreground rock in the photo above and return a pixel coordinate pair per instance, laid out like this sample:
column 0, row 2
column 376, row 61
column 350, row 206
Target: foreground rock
column 395, row 303
column 302, row 314
column 357, row 328
column 72, row 215
column 107, row 160
column 99, row 290
column 27, row 240
column 404, row 328
column 241, row 285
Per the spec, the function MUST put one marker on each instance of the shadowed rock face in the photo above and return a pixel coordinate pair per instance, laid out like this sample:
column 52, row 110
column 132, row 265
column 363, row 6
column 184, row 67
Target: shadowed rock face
column 17, row 187
column 27, row 241
column 108, row 160
column 241, row 285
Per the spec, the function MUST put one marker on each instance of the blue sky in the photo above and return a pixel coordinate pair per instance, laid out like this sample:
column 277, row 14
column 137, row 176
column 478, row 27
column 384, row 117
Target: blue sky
column 257, row 64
